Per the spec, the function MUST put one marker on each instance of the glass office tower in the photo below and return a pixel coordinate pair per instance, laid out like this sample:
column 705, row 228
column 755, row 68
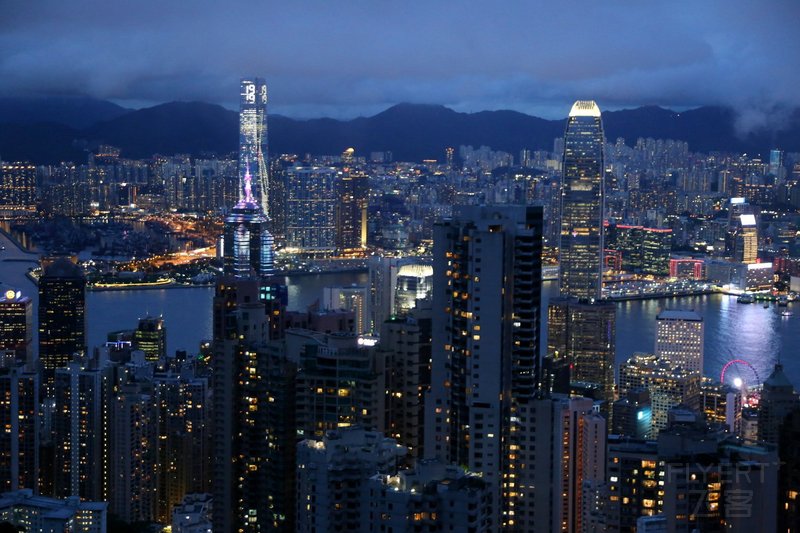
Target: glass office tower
column 581, row 246
column 253, row 138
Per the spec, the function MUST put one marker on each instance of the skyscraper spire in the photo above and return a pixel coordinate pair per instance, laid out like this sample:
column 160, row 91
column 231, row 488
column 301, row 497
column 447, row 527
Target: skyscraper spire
column 248, row 186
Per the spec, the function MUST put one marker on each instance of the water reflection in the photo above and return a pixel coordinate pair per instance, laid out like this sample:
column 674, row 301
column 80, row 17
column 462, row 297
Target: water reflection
column 749, row 332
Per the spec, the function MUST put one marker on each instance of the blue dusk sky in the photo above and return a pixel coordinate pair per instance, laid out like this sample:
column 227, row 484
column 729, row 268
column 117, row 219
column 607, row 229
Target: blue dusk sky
column 351, row 58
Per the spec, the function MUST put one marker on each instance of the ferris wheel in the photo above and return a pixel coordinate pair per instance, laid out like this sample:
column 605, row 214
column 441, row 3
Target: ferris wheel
column 738, row 382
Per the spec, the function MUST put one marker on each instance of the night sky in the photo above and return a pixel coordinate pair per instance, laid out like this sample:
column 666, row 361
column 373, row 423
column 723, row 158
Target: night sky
column 344, row 59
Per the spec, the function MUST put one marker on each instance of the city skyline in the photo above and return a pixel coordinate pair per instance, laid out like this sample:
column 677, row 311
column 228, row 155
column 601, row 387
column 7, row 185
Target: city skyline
column 683, row 57
column 416, row 393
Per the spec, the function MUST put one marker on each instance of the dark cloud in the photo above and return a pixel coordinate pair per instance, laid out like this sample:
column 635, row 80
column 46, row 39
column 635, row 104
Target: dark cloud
column 357, row 57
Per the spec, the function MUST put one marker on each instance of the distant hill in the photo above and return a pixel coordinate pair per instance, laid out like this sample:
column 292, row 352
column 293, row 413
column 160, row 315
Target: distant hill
column 74, row 111
column 174, row 128
column 411, row 131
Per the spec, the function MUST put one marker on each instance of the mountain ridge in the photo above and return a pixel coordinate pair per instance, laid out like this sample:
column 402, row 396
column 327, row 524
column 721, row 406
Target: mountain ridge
column 411, row 131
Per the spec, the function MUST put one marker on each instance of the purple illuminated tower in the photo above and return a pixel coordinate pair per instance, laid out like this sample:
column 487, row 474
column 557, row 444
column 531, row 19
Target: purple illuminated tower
column 247, row 243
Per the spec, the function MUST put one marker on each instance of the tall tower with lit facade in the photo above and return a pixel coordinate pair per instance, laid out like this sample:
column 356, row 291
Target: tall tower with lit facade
column 485, row 352
column 581, row 246
column 150, row 337
column 247, row 243
column 679, row 338
column 351, row 212
column 581, row 328
column 16, row 325
column 253, row 156
column 62, row 315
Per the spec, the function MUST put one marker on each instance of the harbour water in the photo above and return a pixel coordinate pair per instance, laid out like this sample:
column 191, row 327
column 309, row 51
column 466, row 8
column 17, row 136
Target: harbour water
column 732, row 331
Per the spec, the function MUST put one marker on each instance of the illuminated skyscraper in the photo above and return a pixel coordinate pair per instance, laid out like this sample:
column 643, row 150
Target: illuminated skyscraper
column 581, row 328
column 583, row 332
column 183, row 409
column 16, row 325
column 406, row 343
column 240, row 408
column 679, row 338
column 134, row 453
column 19, row 412
column 82, row 430
column 341, row 382
column 17, row 185
column 253, row 156
column 485, row 352
column 62, row 315
column 746, row 245
column 351, row 212
column 151, row 338
column 311, row 207
column 581, row 245
column 247, row 243
column 559, row 464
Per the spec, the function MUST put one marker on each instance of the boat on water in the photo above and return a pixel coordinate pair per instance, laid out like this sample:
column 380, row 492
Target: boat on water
column 783, row 301
column 786, row 313
column 746, row 299
column 766, row 305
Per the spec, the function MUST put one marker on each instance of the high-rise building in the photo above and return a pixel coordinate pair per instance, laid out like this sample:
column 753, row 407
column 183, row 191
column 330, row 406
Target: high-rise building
column 680, row 337
column 430, row 497
column 669, row 390
column 559, row 459
column 485, row 348
column 581, row 332
column 245, row 441
column 632, row 415
column 668, row 385
column 643, row 250
column 351, row 212
column 583, row 195
column 17, row 185
column 332, row 475
column 19, row 416
column 62, row 315
column 776, row 168
column 253, row 148
column 395, row 284
column 182, row 402
column 414, row 283
column 406, row 343
column 353, row 298
column 581, row 328
column 714, row 483
column 31, row 512
column 778, row 399
column 247, row 243
column 311, row 206
column 340, row 382
column 789, row 473
column 635, row 487
column 81, row 430
column 722, row 404
column 746, row 240
column 134, row 453
column 16, row 325
column 150, row 337
column 656, row 248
